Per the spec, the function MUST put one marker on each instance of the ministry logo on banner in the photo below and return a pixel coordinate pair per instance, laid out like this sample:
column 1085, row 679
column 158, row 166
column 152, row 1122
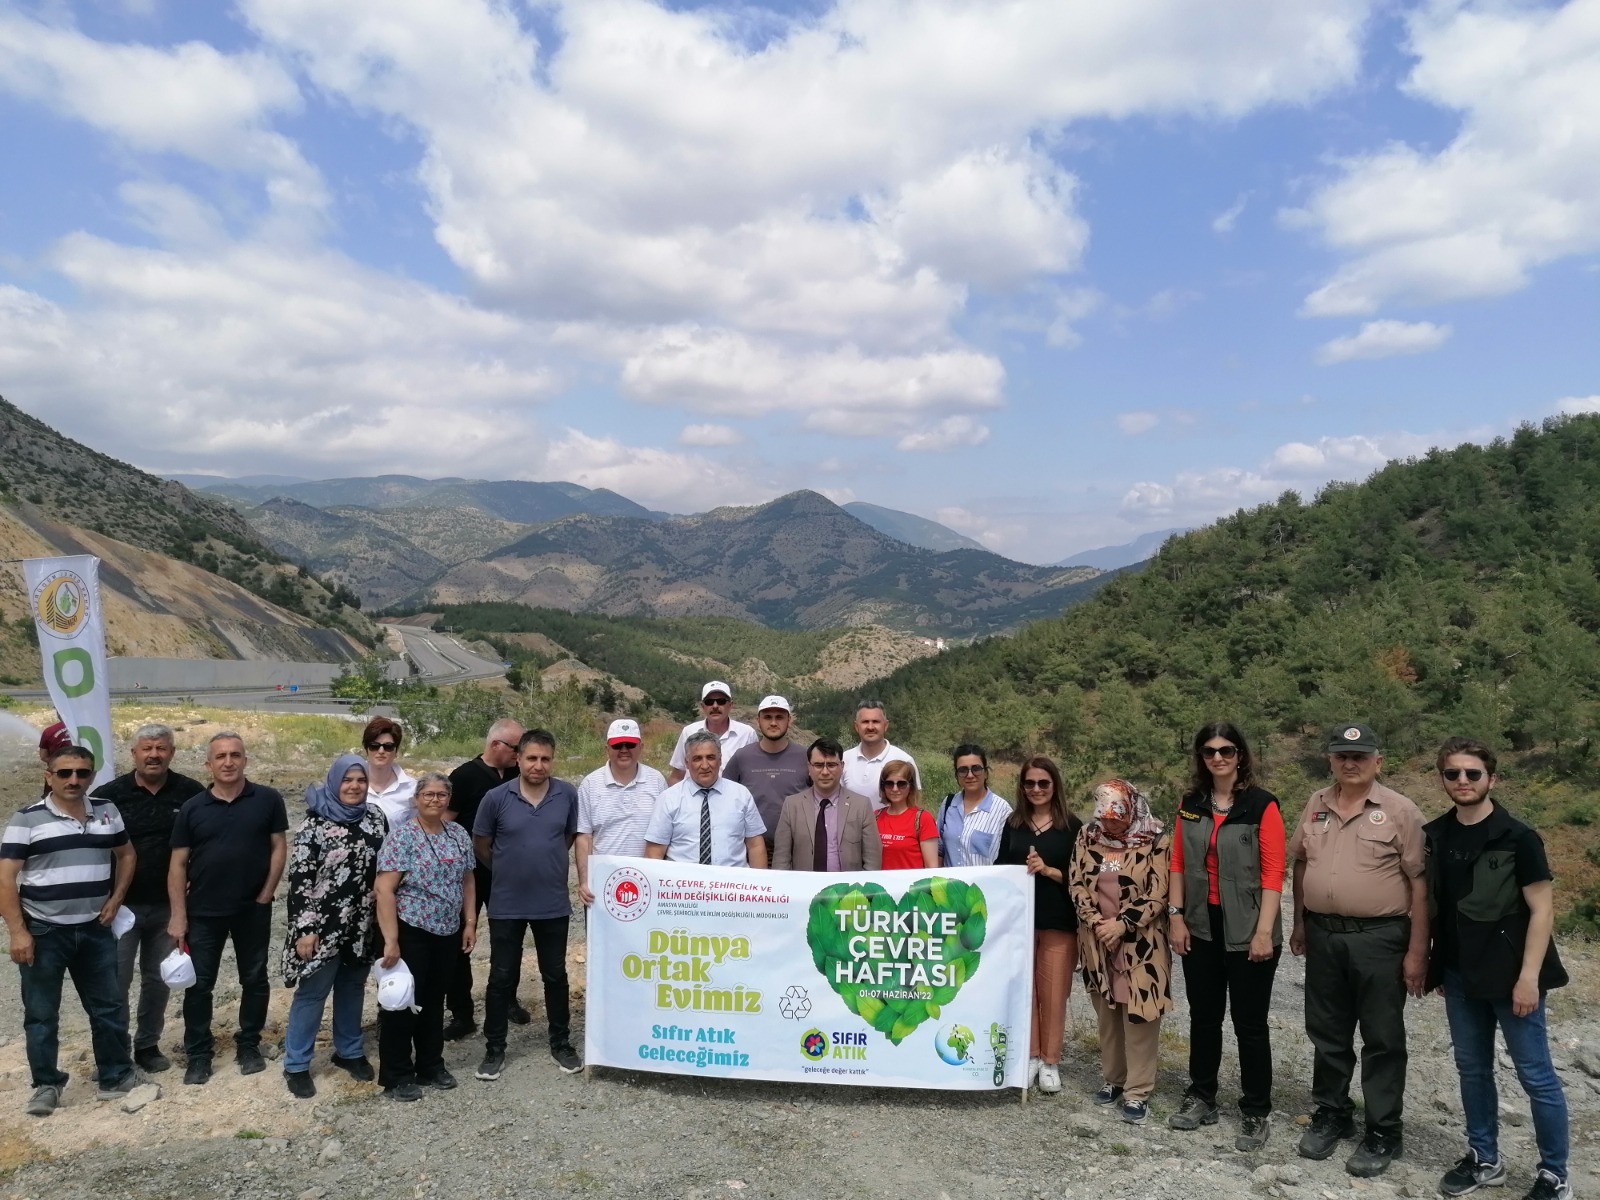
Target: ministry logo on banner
column 65, row 595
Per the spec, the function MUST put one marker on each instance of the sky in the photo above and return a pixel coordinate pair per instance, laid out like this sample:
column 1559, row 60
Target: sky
column 1053, row 274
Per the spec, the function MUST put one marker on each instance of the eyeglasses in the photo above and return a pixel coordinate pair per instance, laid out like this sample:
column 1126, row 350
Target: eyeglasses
column 895, row 785
column 1036, row 785
column 506, row 744
column 714, row 701
column 1220, row 751
column 390, row 747
column 1473, row 774
column 433, row 795
column 971, row 770
column 74, row 773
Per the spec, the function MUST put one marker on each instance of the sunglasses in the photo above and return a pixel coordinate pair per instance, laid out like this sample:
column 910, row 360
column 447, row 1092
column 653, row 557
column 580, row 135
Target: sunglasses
column 1036, row 785
column 391, row 747
column 1473, row 774
column 1220, row 751
column 895, row 785
column 506, row 744
column 74, row 773
column 971, row 770
column 714, row 701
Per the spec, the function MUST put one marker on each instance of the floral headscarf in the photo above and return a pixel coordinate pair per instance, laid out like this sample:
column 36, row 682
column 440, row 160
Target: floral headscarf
column 1122, row 817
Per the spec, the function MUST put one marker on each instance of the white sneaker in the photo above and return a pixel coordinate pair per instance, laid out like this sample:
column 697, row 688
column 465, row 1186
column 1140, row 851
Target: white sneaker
column 1033, row 1070
column 1049, row 1079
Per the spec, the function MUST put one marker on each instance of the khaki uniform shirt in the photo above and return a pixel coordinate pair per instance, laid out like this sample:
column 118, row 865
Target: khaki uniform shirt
column 1361, row 867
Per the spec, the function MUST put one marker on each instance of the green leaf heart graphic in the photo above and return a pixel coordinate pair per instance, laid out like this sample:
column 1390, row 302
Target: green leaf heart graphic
column 892, row 1007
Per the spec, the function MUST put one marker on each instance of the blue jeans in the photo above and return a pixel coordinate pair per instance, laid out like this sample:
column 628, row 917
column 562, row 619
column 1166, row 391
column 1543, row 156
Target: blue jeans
column 1472, row 1024
column 348, row 983
column 88, row 953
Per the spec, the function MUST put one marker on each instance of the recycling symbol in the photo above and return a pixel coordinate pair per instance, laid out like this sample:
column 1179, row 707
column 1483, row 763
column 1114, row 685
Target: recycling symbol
column 794, row 1003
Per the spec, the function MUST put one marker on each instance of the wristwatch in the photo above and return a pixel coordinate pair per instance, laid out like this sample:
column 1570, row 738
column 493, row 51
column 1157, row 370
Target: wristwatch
column 1174, row 911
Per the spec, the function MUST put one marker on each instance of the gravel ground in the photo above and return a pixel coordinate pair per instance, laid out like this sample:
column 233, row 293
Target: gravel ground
column 627, row 1133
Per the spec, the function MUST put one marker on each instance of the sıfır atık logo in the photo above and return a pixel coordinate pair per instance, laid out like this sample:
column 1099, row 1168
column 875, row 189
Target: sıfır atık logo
column 627, row 894
column 814, row 1044
column 61, row 602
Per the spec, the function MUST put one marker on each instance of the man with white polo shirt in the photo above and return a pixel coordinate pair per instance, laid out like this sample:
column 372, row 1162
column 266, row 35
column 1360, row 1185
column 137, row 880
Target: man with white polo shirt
column 716, row 706
column 706, row 819
column 863, row 762
column 615, row 802
column 773, row 768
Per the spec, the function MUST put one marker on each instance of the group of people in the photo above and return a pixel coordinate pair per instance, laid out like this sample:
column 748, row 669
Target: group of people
column 387, row 868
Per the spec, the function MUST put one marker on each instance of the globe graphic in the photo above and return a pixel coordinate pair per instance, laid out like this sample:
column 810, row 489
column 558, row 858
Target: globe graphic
column 954, row 1043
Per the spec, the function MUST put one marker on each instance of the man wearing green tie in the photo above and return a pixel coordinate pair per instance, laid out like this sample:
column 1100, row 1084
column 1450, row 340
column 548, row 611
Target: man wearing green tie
column 705, row 818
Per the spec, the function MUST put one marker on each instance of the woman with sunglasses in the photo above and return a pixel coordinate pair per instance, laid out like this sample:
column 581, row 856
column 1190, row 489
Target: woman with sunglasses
column 1223, row 901
column 331, row 942
column 909, row 835
column 388, row 786
column 971, row 820
column 1040, row 836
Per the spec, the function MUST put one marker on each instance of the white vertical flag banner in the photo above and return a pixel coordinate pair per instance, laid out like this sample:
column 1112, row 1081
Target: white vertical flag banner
column 65, row 593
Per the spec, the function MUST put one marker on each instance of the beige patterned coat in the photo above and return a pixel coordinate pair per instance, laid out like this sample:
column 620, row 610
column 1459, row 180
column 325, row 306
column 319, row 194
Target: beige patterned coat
column 1142, row 880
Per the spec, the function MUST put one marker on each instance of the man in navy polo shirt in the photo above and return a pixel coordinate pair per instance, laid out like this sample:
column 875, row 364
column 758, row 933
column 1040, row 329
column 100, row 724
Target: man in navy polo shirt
column 524, row 833
column 229, row 846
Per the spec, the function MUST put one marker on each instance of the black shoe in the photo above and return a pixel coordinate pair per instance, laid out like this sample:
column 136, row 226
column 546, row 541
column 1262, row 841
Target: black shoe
column 118, row 1090
column 1252, row 1133
column 299, row 1084
column 357, row 1068
column 1193, row 1113
column 1470, row 1174
column 405, row 1092
column 1108, row 1095
column 518, row 1014
column 198, row 1071
column 151, row 1061
column 567, row 1059
column 1328, row 1129
column 1373, row 1156
column 250, row 1060
column 1547, row 1187
column 493, row 1063
column 459, row 1027
column 440, row 1079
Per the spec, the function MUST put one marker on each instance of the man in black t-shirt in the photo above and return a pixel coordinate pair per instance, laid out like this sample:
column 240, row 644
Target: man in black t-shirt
column 469, row 783
column 229, row 846
column 1492, row 957
column 148, row 797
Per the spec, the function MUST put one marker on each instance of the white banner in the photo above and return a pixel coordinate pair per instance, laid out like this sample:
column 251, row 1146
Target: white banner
column 884, row 978
column 65, row 593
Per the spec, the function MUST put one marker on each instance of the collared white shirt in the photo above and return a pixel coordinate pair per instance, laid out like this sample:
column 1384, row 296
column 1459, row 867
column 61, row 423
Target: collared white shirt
column 737, row 736
column 675, row 822
column 972, row 839
column 396, row 800
column 861, row 773
column 615, row 814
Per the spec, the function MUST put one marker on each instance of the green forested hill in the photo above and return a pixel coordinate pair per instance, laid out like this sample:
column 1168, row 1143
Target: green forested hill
column 1455, row 593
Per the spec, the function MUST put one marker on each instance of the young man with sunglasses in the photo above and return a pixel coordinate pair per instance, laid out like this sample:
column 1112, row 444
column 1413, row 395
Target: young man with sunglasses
column 65, row 865
column 716, row 705
column 1489, row 887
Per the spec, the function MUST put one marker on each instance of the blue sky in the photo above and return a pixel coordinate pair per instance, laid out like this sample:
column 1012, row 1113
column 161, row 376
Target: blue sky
column 1053, row 274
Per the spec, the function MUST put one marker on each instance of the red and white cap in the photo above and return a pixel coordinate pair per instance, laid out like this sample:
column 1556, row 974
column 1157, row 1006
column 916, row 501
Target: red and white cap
column 623, row 731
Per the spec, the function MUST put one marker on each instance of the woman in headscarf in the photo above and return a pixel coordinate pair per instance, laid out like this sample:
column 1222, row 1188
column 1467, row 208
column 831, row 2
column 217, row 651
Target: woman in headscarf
column 330, row 943
column 1118, row 883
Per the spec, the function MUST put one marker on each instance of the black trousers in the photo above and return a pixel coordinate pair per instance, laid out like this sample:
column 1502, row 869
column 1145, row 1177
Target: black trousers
column 459, row 997
column 505, row 969
column 1218, row 981
column 251, row 931
column 1357, row 979
column 411, row 1044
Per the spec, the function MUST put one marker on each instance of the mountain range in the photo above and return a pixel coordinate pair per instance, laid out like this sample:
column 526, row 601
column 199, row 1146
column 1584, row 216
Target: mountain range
column 1109, row 558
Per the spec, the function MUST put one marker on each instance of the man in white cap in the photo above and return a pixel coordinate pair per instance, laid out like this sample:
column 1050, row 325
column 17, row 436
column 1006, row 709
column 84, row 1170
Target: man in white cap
column 773, row 767
column 864, row 761
column 615, row 802
column 716, row 706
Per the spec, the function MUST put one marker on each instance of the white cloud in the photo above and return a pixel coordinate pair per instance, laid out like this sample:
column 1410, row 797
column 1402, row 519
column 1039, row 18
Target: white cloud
column 997, row 533
column 660, row 478
column 1517, row 188
column 1384, row 339
column 710, row 435
column 948, row 434
column 1573, row 405
column 1135, row 423
column 1226, row 220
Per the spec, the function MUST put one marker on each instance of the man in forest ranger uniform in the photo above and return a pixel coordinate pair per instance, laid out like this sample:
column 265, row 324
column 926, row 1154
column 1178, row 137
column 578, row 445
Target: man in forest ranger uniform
column 1491, row 904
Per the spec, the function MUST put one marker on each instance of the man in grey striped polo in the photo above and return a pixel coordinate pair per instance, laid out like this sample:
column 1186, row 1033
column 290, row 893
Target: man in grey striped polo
column 65, row 865
column 615, row 802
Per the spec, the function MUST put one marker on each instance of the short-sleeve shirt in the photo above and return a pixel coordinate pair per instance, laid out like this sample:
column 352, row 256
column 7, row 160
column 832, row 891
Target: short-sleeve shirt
column 434, row 866
column 470, row 783
column 615, row 814
column 736, row 737
column 230, row 847
column 902, row 837
column 861, row 773
column 675, row 823
column 398, row 800
column 971, row 839
column 1458, row 847
column 1362, row 867
column 66, row 864
column 771, row 778
column 1052, row 906
column 529, row 850
column 149, row 817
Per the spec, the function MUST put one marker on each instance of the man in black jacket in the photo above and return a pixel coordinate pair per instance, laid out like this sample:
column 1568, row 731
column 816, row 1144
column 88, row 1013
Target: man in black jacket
column 1490, row 889
column 148, row 797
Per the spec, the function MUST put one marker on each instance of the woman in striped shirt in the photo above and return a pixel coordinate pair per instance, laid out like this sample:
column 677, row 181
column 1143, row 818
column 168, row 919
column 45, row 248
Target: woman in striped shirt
column 971, row 820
